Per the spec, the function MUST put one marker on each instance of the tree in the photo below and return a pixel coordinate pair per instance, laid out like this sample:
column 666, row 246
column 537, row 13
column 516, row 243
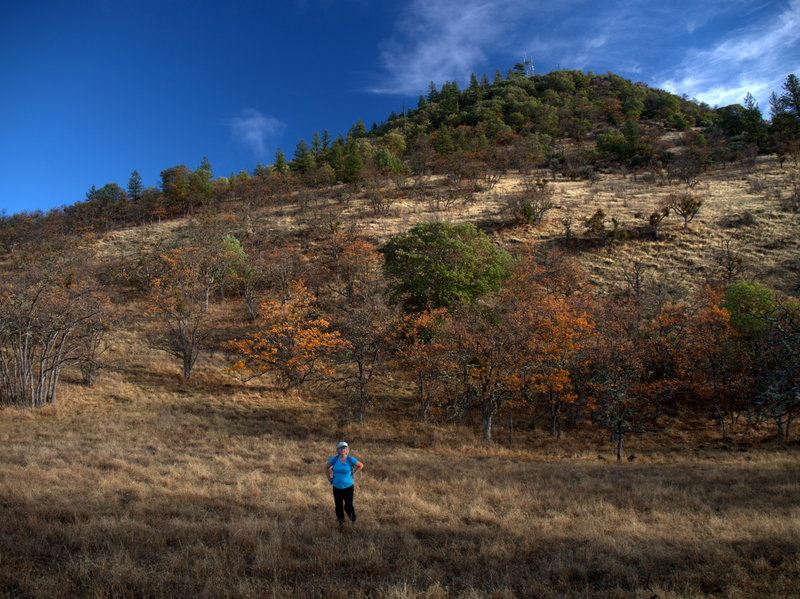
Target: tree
column 358, row 130
column 49, row 313
column 176, row 185
column 481, row 358
column 616, row 384
column 437, row 265
column 304, row 160
column 785, row 114
column 290, row 339
column 420, row 353
column 789, row 100
column 717, row 361
column 552, row 334
column 656, row 218
column 178, row 297
column 686, row 205
column 533, row 203
column 135, row 187
column 778, row 397
column 358, row 312
column 280, row 166
column 353, row 162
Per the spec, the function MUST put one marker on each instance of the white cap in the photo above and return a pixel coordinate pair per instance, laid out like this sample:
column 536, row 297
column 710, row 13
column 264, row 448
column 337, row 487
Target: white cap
column 341, row 444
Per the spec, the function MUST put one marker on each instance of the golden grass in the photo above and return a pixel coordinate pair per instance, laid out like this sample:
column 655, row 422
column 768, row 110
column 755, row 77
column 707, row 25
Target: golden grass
column 213, row 490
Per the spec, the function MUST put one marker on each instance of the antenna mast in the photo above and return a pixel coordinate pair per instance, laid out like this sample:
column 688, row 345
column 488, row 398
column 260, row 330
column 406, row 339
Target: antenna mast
column 529, row 70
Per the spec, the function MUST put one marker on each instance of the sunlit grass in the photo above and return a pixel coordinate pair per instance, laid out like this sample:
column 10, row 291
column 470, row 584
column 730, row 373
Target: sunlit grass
column 200, row 492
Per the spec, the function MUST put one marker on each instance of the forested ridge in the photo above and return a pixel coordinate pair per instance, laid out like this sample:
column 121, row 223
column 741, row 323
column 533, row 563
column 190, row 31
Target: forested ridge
column 439, row 257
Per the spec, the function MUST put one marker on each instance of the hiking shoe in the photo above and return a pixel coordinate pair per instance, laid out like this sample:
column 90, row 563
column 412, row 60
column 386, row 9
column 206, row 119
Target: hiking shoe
column 353, row 519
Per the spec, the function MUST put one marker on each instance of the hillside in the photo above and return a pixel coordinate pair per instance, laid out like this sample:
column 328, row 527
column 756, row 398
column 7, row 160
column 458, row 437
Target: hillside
column 593, row 392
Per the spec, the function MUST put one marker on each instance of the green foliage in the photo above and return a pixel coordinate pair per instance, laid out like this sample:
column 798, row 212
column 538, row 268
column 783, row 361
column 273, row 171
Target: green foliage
column 438, row 265
column 388, row 162
column 353, row 162
column 280, row 166
column 135, row 187
column 750, row 306
column 304, row 160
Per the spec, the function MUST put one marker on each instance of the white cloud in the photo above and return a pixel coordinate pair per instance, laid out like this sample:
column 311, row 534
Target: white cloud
column 256, row 130
column 681, row 46
column 444, row 40
column 755, row 59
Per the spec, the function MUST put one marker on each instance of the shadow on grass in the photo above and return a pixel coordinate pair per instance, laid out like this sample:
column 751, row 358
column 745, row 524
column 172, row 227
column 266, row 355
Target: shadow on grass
column 205, row 545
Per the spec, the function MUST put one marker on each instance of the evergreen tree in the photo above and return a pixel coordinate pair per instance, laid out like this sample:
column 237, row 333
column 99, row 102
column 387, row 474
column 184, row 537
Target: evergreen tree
column 358, row 130
column 316, row 144
column 789, row 100
column 433, row 94
column 280, row 165
column 335, row 156
column 135, row 187
column 205, row 165
column 303, row 158
column 353, row 162
column 261, row 170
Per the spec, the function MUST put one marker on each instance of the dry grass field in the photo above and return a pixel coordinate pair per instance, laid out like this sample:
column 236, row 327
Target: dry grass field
column 145, row 486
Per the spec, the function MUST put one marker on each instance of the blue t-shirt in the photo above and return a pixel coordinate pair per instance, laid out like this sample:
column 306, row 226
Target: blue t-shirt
column 343, row 473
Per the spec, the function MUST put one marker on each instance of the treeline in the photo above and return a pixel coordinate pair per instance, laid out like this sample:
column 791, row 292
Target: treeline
column 571, row 122
column 475, row 331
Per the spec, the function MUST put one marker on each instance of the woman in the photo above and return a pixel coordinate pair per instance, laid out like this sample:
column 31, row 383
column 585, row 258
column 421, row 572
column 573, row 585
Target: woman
column 340, row 470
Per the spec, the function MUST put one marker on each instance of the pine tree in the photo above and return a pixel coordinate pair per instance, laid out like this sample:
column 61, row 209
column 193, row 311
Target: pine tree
column 135, row 187
column 316, row 144
column 280, row 165
column 353, row 162
column 303, row 158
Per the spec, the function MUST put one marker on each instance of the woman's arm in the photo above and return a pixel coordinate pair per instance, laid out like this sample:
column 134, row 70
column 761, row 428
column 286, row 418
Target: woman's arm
column 326, row 470
column 359, row 467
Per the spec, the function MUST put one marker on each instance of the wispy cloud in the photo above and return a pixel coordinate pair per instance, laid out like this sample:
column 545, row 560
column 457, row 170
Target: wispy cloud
column 444, row 40
column 256, row 130
column 755, row 59
column 715, row 50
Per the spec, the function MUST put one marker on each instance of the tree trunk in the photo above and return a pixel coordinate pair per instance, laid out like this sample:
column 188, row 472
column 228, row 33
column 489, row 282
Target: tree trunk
column 619, row 445
column 486, row 422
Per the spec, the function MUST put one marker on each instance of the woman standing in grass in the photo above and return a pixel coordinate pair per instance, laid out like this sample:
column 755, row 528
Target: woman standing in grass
column 340, row 470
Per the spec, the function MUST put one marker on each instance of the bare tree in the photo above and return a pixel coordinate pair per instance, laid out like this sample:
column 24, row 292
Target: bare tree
column 48, row 313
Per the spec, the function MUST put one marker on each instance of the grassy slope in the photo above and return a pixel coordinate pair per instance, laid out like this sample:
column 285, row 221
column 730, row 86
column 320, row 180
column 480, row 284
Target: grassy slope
column 143, row 486
column 209, row 490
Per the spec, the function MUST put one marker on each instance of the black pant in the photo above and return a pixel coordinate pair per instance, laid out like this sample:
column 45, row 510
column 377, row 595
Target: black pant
column 344, row 497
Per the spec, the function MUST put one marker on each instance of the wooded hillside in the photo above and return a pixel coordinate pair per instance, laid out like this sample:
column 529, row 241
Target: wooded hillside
column 570, row 249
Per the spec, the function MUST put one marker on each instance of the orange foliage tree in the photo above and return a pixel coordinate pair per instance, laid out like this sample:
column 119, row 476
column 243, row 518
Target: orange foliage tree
column 718, row 371
column 663, row 354
column 419, row 353
column 482, row 358
column 553, row 332
column 290, row 339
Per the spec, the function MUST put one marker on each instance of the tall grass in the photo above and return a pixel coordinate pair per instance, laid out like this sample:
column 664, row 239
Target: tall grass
column 217, row 491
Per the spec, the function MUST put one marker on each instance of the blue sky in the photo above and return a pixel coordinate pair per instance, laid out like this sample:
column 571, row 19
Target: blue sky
column 93, row 89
